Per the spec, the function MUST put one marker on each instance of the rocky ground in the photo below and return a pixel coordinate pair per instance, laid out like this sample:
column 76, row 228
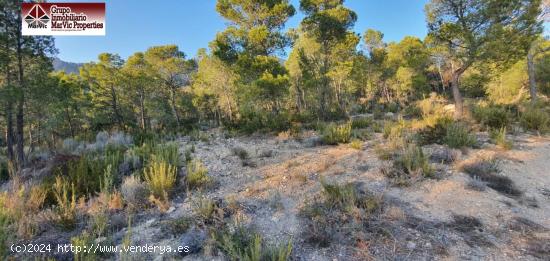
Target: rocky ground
column 451, row 217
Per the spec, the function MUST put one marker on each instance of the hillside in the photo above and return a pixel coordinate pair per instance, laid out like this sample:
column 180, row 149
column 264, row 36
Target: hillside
column 67, row 67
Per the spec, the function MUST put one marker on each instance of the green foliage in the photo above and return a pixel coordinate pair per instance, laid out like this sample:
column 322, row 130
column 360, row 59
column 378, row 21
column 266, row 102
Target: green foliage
column 240, row 152
column 535, row 119
column 434, row 132
column 334, row 134
column 6, row 220
column 413, row 161
column 4, row 170
column 342, row 197
column 499, row 138
column 356, row 144
column 458, row 135
column 160, row 177
column 249, row 246
column 393, row 130
column 492, row 116
column 82, row 244
column 66, row 202
column 445, row 131
column 361, row 123
column 197, row 175
column 508, row 86
column 168, row 153
column 88, row 171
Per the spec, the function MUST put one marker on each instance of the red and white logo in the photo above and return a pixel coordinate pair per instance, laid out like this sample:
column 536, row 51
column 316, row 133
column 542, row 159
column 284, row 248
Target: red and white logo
column 63, row 18
column 37, row 17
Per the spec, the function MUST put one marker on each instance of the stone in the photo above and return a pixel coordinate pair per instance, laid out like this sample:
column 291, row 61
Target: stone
column 193, row 239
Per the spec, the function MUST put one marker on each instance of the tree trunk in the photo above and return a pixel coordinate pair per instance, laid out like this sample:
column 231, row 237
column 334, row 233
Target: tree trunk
column 142, row 110
column 459, row 106
column 9, row 105
column 9, row 131
column 20, row 111
column 324, row 82
column 70, row 121
column 531, row 70
column 118, row 117
column 174, row 108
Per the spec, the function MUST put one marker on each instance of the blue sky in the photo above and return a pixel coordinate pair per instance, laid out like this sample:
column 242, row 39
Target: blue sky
column 134, row 26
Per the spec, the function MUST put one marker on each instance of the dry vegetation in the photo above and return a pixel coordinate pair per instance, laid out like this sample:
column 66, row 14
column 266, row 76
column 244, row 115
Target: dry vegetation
column 394, row 195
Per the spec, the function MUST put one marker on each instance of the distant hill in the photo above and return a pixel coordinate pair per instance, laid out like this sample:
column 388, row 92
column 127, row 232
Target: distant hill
column 68, row 67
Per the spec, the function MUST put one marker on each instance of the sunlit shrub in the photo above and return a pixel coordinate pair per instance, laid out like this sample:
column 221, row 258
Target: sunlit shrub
column 197, row 175
column 160, row 178
column 334, row 134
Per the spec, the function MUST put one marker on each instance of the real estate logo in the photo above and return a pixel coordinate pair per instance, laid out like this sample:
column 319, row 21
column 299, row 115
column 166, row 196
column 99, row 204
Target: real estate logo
column 63, row 18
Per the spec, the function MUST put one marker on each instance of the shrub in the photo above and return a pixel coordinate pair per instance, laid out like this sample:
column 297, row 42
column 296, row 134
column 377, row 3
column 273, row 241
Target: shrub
column 486, row 170
column 81, row 245
column 361, row 123
column 346, row 198
column 197, row 175
column 492, row 116
column 242, row 244
column 132, row 159
column 457, row 135
column 535, row 119
column 208, row 211
column 341, row 210
column 356, row 144
column 4, row 171
column 134, row 191
column 499, row 138
column 434, row 105
column 435, row 131
column 240, row 152
column 66, row 202
column 87, row 172
column 341, row 197
column 160, row 177
column 167, row 153
column 413, row 162
column 5, row 233
column 334, row 134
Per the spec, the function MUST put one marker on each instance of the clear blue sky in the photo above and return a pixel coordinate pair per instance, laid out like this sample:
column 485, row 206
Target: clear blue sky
column 191, row 24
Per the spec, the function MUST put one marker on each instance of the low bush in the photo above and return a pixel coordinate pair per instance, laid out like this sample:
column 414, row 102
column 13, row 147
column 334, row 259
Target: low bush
column 81, row 245
column 4, row 170
column 134, row 191
column 535, row 119
column 197, row 175
column 356, row 144
column 335, row 134
column 242, row 244
column 457, row 135
column 65, row 196
column 413, row 162
column 361, row 123
column 492, row 116
column 434, row 132
column 160, row 178
column 498, row 136
column 87, row 172
column 168, row 153
column 208, row 211
column 486, row 170
column 340, row 212
column 240, row 152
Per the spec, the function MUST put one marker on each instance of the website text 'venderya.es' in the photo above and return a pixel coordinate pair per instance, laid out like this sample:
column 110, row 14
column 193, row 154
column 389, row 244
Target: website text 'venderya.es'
column 97, row 248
